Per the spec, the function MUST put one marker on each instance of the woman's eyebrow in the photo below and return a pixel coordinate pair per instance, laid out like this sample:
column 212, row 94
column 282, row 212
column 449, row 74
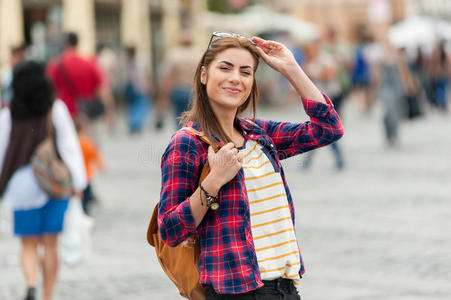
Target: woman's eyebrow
column 231, row 65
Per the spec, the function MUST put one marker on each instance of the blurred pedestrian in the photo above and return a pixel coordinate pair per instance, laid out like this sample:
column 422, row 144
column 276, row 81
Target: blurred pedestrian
column 176, row 81
column 137, row 90
column 17, row 55
column 411, row 85
column 420, row 69
column 106, row 60
column 322, row 67
column 93, row 162
column 361, row 70
column 440, row 70
column 38, row 218
column 78, row 82
column 246, row 184
column 391, row 94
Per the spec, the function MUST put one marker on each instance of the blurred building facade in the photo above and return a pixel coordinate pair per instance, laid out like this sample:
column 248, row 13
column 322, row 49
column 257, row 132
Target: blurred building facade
column 153, row 26
column 150, row 26
column 346, row 15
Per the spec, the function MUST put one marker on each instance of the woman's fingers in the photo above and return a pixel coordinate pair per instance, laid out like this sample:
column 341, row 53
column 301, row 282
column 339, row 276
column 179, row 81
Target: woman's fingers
column 226, row 162
column 228, row 146
column 266, row 46
column 240, row 156
column 261, row 52
column 258, row 41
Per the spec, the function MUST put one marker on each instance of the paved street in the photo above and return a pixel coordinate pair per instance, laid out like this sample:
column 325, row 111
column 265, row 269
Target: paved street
column 381, row 229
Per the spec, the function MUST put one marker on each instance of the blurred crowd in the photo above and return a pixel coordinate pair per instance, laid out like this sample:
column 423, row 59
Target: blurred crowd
column 408, row 82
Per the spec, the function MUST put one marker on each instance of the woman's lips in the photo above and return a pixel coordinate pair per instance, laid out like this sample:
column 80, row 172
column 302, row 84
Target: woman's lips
column 232, row 90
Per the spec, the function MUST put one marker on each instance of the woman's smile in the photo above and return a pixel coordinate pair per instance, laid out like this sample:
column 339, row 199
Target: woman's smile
column 232, row 90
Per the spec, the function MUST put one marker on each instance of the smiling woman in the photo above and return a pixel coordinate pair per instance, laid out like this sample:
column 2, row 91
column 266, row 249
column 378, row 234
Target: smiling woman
column 229, row 80
column 248, row 248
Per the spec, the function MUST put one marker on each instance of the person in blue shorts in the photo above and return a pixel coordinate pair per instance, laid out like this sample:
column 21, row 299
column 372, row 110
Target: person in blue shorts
column 38, row 219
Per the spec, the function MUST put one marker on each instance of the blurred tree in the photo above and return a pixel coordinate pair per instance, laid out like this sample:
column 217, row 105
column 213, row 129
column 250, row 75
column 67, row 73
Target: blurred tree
column 229, row 6
column 220, row 6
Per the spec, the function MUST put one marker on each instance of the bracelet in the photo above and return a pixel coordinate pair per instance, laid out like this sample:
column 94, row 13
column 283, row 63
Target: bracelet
column 201, row 202
column 211, row 200
column 206, row 193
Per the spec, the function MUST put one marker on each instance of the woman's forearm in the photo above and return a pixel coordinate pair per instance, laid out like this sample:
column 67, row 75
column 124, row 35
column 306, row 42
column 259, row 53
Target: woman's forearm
column 302, row 83
column 198, row 202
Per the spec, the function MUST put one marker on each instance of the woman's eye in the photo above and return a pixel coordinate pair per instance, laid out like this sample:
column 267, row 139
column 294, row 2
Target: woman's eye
column 247, row 73
column 223, row 68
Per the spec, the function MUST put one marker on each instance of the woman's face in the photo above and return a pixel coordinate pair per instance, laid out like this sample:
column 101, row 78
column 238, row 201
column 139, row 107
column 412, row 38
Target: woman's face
column 229, row 79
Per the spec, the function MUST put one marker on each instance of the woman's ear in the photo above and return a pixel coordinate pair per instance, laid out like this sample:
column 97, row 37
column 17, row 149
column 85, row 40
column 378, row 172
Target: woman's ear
column 203, row 75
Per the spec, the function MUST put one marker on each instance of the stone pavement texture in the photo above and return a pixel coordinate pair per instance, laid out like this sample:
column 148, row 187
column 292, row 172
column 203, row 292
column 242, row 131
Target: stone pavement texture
column 381, row 229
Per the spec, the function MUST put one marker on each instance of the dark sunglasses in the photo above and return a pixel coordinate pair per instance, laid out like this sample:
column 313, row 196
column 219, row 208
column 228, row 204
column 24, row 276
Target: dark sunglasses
column 220, row 35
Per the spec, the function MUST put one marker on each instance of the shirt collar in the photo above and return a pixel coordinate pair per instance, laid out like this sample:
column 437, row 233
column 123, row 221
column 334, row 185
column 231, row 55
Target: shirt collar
column 247, row 126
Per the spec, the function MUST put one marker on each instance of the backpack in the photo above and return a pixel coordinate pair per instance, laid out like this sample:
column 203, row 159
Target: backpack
column 180, row 263
column 51, row 173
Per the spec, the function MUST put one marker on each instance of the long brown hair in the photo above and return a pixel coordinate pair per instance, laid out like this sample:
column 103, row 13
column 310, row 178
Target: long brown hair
column 201, row 111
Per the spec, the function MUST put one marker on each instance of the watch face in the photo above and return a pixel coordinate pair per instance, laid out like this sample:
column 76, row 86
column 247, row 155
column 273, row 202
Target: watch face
column 214, row 206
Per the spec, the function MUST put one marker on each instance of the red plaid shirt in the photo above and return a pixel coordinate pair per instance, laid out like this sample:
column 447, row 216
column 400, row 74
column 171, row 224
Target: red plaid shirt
column 228, row 261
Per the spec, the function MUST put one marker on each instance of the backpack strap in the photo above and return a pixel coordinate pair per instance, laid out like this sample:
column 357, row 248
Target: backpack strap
column 153, row 225
column 201, row 135
column 49, row 123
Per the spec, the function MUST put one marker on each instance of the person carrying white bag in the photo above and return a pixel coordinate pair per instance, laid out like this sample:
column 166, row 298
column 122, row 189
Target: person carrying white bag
column 24, row 126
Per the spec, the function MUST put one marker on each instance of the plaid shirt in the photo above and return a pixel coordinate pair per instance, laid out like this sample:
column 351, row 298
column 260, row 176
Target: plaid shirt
column 228, row 261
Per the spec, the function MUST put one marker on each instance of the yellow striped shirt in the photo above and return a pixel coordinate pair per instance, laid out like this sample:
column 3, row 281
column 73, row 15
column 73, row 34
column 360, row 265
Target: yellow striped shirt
column 272, row 227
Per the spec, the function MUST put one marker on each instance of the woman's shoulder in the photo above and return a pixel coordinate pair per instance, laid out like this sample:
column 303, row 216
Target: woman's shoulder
column 186, row 140
column 255, row 125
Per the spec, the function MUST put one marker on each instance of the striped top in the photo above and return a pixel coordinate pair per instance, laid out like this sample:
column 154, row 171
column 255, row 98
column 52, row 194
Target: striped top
column 271, row 224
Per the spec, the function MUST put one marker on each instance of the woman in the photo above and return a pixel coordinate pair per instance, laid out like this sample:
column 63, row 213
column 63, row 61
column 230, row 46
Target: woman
column 248, row 246
column 37, row 219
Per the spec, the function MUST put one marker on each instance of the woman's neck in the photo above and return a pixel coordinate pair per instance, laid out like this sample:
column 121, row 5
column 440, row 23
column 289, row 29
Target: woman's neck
column 227, row 122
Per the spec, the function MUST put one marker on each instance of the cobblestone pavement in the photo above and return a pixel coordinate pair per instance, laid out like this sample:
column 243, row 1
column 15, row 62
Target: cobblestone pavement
column 381, row 229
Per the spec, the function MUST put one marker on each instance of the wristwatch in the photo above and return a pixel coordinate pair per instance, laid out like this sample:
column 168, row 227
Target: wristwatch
column 212, row 201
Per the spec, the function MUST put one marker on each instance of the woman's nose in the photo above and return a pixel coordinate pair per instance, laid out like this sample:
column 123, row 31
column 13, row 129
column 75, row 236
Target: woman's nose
column 234, row 76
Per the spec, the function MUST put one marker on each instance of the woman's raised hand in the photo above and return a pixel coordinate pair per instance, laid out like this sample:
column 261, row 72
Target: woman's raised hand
column 276, row 55
column 224, row 164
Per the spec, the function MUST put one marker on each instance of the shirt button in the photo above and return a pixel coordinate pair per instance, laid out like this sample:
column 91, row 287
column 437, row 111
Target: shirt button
column 251, row 135
column 272, row 145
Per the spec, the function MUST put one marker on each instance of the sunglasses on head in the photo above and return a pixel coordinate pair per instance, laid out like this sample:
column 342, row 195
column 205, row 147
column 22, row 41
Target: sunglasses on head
column 220, row 35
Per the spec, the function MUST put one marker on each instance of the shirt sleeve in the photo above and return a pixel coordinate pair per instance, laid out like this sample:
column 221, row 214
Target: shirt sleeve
column 5, row 132
column 179, row 175
column 68, row 144
column 290, row 139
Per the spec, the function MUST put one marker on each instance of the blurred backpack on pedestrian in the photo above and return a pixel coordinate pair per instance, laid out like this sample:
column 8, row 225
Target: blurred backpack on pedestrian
column 180, row 263
column 52, row 174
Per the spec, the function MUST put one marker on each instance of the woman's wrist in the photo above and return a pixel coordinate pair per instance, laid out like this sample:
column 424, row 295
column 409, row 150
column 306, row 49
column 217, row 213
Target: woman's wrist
column 212, row 184
column 292, row 71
